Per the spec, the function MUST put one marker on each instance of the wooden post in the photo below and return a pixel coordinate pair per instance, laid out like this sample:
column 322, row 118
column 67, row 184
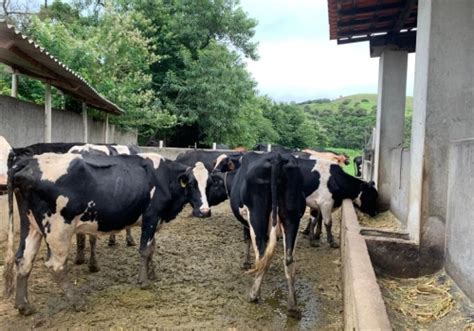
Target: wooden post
column 106, row 138
column 47, row 113
column 14, row 84
column 84, row 122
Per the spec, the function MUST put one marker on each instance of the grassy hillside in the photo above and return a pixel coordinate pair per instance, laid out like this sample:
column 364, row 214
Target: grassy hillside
column 347, row 122
column 364, row 101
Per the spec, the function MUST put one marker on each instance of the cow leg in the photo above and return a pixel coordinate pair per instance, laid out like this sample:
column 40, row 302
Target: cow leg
column 81, row 246
column 306, row 231
column 327, row 218
column 24, row 263
column 151, row 264
column 263, row 247
column 147, row 247
column 247, row 263
column 112, row 241
column 130, row 241
column 93, row 264
column 290, row 232
column 59, row 240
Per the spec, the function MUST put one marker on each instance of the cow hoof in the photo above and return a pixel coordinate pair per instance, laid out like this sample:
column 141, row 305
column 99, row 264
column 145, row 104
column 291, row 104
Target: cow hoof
column 79, row 259
column 26, row 309
column 305, row 232
column 130, row 243
column 111, row 243
column 314, row 243
column 79, row 304
column 94, row 268
column 294, row 313
column 253, row 298
column 145, row 285
column 246, row 266
column 334, row 244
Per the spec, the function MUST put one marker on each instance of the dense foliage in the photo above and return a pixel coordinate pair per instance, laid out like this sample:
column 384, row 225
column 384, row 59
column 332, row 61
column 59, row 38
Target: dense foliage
column 177, row 69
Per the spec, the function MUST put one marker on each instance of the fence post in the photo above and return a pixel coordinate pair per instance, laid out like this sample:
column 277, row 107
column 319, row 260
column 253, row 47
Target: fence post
column 161, row 144
column 269, row 147
column 214, row 146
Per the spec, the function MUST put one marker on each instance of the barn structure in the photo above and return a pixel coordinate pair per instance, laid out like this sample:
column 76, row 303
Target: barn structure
column 428, row 186
column 24, row 123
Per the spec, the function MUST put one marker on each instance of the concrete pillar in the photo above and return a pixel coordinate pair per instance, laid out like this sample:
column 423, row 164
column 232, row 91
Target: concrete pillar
column 214, row 146
column 269, row 147
column 161, row 144
column 47, row 113
column 84, row 123
column 106, row 131
column 14, row 84
column 442, row 112
column 390, row 117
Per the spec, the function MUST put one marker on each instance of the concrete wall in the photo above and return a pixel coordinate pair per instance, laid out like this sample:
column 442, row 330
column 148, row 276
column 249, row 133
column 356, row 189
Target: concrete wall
column 364, row 308
column 400, row 183
column 172, row 152
column 22, row 124
column 460, row 216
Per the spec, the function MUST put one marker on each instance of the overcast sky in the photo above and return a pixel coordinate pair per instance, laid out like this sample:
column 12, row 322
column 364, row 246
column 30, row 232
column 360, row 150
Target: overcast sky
column 298, row 61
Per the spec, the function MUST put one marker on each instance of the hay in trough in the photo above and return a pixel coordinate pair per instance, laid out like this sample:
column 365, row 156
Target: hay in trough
column 425, row 299
column 426, row 303
column 385, row 220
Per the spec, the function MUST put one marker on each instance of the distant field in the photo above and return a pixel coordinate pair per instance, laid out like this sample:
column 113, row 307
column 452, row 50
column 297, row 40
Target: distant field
column 356, row 101
column 352, row 153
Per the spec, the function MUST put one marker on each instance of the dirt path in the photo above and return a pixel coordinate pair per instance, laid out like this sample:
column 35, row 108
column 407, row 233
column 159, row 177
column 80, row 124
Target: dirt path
column 200, row 284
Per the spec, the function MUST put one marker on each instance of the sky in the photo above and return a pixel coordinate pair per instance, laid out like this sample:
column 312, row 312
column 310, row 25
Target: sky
column 298, row 62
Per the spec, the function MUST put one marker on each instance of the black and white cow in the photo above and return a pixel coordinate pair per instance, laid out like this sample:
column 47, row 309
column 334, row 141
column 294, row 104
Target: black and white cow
column 213, row 160
column 14, row 155
column 325, row 186
column 67, row 193
column 105, row 149
column 267, row 196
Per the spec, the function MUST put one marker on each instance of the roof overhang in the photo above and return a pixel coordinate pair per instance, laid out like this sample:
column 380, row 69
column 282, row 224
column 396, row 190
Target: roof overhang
column 26, row 57
column 384, row 23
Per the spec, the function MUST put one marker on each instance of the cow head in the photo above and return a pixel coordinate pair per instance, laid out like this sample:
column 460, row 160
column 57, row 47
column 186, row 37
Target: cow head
column 195, row 182
column 368, row 198
column 216, row 192
column 225, row 163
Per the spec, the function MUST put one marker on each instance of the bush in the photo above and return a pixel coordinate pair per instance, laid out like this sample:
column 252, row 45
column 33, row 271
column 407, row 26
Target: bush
column 364, row 100
column 346, row 101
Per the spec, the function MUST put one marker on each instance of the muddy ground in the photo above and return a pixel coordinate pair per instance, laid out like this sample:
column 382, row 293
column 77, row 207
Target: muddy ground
column 200, row 284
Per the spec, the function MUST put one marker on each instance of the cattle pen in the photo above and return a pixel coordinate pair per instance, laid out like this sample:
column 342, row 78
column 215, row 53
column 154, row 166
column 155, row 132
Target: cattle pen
column 200, row 285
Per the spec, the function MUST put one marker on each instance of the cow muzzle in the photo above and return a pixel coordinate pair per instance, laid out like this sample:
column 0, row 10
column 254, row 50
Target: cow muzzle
column 202, row 212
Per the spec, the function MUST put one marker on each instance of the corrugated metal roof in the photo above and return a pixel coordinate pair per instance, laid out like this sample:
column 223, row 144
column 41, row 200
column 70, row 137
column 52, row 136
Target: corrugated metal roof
column 28, row 58
column 359, row 20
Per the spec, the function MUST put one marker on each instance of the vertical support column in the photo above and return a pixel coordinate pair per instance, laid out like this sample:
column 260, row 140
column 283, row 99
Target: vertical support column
column 106, row 133
column 47, row 113
column 390, row 117
column 14, row 84
column 85, row 128
column 442, row 113
column 214, row 146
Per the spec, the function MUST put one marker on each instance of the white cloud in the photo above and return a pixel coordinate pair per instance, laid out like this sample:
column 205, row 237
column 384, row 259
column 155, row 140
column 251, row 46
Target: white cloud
column 298, row 61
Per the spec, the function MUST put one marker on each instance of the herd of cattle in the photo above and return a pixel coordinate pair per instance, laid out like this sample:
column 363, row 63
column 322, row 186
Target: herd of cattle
column 64, row 189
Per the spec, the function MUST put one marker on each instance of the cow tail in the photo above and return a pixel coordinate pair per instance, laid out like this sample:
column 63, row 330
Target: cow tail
column 9, row 273
column 263, row 263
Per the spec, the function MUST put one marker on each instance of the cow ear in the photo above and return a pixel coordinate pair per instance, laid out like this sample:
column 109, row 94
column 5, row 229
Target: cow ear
column 371, row 183
column 183, row 180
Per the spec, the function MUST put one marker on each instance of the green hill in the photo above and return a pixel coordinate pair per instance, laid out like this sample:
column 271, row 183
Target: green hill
column 348, row 121
column 364, row 101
